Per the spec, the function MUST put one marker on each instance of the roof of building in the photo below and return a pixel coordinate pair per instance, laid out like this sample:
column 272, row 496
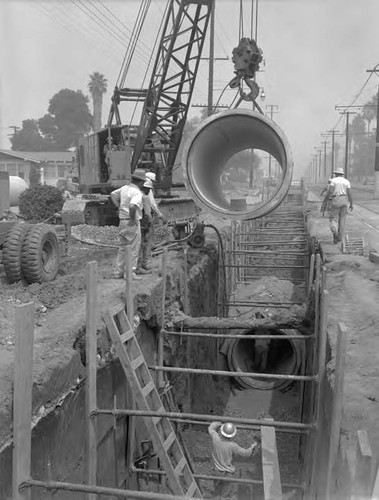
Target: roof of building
column 41, row 156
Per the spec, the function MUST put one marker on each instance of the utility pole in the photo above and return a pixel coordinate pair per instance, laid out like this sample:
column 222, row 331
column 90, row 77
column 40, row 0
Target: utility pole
column 376, row 164
column 332, row 133
column 273, row 109
column 347, row 144
column 347, row 113
column 325, row 143
column 333, row 139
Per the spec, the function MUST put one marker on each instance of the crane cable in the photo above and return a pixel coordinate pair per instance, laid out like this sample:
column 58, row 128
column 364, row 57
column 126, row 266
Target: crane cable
column 241, row 30
column 131, row 47
column 157, row 38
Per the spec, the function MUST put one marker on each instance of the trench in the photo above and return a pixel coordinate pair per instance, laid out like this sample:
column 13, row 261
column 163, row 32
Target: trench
column 58, row 438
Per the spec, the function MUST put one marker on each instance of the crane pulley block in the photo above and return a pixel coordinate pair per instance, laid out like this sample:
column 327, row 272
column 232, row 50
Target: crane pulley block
column 246, row 58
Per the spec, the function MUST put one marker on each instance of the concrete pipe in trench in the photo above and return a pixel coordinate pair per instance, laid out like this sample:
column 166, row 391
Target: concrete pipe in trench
column 215, row 141
column 265, row 356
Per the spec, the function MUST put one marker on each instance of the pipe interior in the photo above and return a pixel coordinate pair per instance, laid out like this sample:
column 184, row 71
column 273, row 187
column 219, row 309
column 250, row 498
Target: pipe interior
column 265, row 356
column 218, row 141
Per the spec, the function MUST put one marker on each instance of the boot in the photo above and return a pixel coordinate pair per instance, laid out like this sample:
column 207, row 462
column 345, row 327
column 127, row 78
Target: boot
column 141, row 270
column 136, row 278
column 148, row 266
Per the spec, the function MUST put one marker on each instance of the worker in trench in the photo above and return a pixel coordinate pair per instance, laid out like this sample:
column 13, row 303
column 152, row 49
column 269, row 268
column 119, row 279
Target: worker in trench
column 339, row 193
column 128, row 199
column 224, row 449
column 150, row 211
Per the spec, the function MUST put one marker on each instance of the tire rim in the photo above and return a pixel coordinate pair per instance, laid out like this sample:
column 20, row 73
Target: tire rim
column 48, row 257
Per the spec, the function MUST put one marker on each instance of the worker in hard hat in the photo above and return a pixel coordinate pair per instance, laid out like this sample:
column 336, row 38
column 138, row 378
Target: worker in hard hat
column 224, row 449
column 128, row 199
column 339, row 193
column 325, row 206
column 150, row 209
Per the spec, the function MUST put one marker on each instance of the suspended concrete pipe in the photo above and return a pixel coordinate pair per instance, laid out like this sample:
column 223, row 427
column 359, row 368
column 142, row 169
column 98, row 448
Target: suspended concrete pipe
column 215, row 141
column 265, row 356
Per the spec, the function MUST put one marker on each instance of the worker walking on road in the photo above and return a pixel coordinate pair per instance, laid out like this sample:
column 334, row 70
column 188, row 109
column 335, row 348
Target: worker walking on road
column 150, row 209
column 128, row 199
column 223, row 452
column 339, row 193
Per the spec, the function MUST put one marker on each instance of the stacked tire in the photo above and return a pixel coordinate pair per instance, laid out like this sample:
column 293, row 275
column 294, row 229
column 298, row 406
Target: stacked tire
column 31, row 252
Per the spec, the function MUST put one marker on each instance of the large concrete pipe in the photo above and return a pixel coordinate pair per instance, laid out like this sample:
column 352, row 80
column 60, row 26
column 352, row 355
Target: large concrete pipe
column 215, row 141
column 265, row 356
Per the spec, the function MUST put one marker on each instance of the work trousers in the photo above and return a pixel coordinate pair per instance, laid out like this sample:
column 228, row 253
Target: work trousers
column 225, row 490
column 337, row 216
column 128, row 236
column 147, row 240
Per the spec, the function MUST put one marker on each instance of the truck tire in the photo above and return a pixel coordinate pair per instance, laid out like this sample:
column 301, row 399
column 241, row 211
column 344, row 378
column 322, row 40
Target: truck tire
column 12, row 248
column 40, row 254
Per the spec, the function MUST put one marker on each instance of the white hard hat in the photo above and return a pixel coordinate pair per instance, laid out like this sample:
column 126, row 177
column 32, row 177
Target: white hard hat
column 151, row 176
column 148, row 183
column 228, row 430
column 339, row 170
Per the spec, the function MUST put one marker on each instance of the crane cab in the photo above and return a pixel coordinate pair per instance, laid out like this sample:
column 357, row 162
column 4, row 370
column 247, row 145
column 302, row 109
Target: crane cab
column 104, row 159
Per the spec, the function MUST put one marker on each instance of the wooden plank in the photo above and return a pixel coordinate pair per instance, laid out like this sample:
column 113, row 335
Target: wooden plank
column 319, row 367
column 127, row 336
column 137, row 362
column 148, row 389
column 336, row 420
column 91, row 369
column 364, row 466
column 375, row 488
column 270, row 464
column 129, row 288
column 169, row 441
column 160, row 376
column 180, row 466
column 311, row 273
column 22, row 398
column 189, row 340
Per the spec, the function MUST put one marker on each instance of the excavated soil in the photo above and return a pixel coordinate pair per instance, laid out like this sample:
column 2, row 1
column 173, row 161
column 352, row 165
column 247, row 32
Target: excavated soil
column 353, row 284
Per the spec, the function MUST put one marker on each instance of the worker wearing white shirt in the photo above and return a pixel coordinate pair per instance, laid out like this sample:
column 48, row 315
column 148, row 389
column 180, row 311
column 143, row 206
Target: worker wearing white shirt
column 128, row 199
column 147, row 224
column 339, row 193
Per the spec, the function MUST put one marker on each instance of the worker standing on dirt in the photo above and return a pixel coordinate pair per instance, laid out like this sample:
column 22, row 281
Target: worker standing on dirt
column 223, row 452
column 339, row 193
column 150, row 209
column 128, row 199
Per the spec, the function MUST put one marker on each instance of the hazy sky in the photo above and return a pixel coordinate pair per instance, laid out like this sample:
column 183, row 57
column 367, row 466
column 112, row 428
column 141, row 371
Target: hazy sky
column 316, row 52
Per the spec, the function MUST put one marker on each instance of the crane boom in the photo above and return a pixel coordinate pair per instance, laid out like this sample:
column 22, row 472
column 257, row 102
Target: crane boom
column 171, row 86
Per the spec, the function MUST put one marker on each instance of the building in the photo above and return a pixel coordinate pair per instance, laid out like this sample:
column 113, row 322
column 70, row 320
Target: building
column 38, row 167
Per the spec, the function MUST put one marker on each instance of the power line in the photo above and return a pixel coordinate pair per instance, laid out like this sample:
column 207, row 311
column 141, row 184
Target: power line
column 355, row 98
column 124, row 25
column 66, row 22
column 144, row 53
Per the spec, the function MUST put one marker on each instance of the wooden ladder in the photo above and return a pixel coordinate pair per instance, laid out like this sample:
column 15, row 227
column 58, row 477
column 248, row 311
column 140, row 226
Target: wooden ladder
column 163, row 436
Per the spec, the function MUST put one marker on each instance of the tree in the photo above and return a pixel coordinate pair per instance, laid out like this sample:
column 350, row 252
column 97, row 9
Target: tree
column 97, row 87
column 28, row 138
column 67, row 120
column 369, row 111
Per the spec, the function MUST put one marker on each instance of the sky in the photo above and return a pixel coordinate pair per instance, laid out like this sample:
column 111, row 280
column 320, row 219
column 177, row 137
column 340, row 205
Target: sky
column 316, row 55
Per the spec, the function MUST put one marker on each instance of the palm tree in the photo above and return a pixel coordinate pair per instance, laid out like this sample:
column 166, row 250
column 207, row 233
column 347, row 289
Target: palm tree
column 369, row 111
column 97, row 87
